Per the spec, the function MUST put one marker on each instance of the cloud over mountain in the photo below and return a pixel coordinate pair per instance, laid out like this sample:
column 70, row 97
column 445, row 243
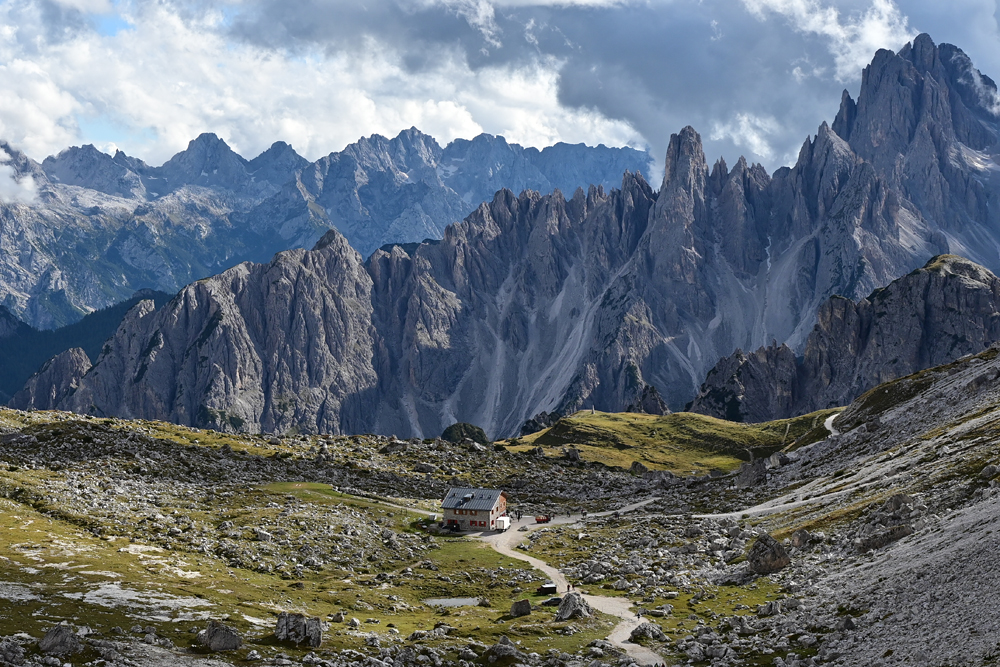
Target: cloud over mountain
column 145, row 76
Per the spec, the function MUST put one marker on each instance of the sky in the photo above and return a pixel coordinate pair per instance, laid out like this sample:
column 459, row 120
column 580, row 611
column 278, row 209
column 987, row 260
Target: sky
column 754, row 77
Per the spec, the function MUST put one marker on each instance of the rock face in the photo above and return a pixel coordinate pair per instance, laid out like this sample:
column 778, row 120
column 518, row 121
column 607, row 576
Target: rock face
column 573, row 606
column 58, row 378
column 219, row 637
column 60, row 640
column 767, row 556
column 102, row 227
column 299, row 629
column 947, row 309
column 539, row 304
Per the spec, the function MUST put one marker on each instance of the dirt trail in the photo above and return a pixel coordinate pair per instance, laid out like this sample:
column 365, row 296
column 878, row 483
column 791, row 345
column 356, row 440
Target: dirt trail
column 506, row 543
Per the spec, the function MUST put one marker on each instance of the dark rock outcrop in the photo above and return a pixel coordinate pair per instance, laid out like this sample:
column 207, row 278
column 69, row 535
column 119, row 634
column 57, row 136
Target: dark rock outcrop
column 947, row 309
column 299, row 629
column 54, row 381
column 767, row 556
column 520, row 608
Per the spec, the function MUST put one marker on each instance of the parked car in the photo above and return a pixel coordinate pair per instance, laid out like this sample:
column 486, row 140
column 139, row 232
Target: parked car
column 543, row 518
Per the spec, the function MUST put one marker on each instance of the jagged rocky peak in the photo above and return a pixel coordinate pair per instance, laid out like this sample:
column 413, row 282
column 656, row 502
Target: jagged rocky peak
column 927, row 120
column 277, row 165
column 87, row 167
column 685, row 167
column 59, row 377
column 945, row 310
column 207, row 161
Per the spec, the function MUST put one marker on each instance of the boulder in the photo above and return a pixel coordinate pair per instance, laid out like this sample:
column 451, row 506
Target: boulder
column 638, row 468
column 767, row 556
column 801, row 538
column 520, row 608
column 425, row 467
column 647, row 630
column 11, row 652
column 299, row 629
column 504, row 648
column 60, row 640
column 752, row 474
column 219, row 637
column 573, row 606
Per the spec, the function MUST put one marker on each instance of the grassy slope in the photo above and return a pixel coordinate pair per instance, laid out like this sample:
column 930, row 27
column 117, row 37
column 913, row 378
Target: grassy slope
column 683, row 442
column 53, row 568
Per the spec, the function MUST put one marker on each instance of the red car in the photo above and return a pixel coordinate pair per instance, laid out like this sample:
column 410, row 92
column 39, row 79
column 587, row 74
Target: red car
column 545, row 518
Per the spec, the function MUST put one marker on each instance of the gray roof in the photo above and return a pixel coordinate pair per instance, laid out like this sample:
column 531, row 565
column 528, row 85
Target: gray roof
column 483, row 499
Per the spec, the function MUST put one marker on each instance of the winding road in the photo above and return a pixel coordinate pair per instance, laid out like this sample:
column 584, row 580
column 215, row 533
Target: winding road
column 506, row 543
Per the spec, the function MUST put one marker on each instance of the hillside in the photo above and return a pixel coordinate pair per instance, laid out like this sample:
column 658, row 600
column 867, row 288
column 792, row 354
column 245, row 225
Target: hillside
column 681, row 443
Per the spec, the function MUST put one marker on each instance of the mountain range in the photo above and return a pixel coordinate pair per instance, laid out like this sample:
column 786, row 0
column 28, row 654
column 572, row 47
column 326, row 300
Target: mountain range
column 539, row 303
column 102, row 227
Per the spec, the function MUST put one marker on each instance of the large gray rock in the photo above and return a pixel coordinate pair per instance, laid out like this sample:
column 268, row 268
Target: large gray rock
column 219, row 637
column 573, row 606
column 53, row 382
column 520, row 608
column 11, row 652
column 647, row 631
column 299, row 629
column 767, row 556
column 504, row 649
column 60, row 640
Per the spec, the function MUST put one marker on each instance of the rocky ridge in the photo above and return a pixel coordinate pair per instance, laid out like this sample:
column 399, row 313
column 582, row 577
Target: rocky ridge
column 102, row 227
column 943, row 311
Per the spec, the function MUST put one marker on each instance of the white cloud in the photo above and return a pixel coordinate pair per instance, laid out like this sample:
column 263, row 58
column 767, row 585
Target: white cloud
column 14, row 189
column 852, row 40
column 89, row 6
column 749, row 131
column 167, row 78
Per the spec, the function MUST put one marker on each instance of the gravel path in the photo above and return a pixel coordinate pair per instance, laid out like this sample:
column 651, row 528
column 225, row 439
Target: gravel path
column 828, row 424
column 506, row 543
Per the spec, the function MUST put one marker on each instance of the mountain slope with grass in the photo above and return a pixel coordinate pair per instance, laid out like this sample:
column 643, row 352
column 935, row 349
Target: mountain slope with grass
column 681, row 443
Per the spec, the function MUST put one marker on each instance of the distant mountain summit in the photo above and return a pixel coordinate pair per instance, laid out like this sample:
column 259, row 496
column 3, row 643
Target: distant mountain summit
column 103, row 227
